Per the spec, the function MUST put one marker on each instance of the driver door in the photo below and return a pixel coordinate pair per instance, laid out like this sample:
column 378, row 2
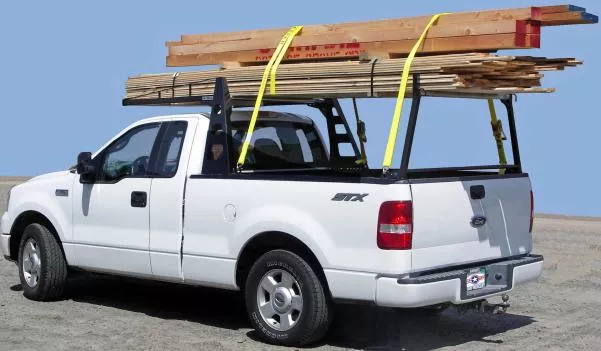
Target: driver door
column 111, row 216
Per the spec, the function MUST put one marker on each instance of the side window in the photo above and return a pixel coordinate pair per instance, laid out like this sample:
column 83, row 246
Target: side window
column 129, row 155
column 171, row 149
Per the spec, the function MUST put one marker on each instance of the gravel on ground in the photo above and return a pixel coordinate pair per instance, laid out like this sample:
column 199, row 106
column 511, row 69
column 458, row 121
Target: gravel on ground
column 560, row 311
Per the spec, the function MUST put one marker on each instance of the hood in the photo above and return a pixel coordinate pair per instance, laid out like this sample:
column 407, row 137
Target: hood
column 48, row 176
column 45, row 183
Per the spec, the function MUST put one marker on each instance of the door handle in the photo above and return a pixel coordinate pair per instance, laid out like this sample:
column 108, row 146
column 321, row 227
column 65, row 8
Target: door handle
column 138, row 198
column 477, row 192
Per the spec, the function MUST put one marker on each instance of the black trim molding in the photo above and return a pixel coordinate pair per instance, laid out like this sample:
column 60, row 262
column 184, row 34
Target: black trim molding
column 348, row 178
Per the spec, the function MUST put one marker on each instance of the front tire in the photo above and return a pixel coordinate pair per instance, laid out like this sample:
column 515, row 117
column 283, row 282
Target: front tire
column 286, row 302
column 42, row 266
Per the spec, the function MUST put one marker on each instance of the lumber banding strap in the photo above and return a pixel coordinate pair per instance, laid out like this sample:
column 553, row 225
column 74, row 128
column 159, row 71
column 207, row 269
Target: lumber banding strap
column 396, row 118
column 360, row 134
column 174, row 78
column 270, row 72
column 373, row 67
column 497, row 130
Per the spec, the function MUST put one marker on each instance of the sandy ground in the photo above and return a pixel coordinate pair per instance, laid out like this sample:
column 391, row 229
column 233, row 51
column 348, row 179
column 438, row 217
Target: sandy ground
column 560, row 311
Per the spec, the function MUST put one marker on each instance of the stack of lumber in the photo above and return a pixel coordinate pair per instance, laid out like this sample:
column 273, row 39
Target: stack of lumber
column 476, row 73
column 488, row 31
column 339, row 60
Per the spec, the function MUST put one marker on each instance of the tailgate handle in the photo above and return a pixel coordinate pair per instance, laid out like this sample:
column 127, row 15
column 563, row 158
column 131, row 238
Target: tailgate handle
column 478, row 221
column 477, row 192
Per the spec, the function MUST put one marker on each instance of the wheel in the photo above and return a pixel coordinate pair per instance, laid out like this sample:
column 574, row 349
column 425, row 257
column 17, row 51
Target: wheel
column 42, row 266
column 286, row 301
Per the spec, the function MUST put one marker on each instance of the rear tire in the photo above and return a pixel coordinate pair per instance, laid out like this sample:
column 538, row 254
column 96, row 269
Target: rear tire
column 286, row 301
column 42, row 266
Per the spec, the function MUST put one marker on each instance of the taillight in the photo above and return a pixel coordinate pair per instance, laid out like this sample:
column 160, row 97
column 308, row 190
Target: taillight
column 531, row 211
column 395, row 225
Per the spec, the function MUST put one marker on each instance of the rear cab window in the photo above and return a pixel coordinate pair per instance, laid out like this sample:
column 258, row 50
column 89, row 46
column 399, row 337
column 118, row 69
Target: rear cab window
column 169, row 152
column 280, row 145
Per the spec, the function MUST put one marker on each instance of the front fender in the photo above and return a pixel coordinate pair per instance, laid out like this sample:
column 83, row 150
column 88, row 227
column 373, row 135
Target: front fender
column 59, row 221
column 41, row 196
column 285, row 219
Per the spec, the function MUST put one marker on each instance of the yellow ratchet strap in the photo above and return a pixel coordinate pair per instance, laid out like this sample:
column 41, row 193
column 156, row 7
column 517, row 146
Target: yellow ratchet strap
column 497, row 130
column 396, row 118
column 270, row 71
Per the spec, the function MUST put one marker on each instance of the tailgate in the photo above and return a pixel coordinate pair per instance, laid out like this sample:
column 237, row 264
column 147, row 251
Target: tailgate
column 465, row 221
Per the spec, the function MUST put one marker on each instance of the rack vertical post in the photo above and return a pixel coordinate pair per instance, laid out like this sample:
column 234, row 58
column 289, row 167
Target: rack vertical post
column 415, row 102
column 219, row 153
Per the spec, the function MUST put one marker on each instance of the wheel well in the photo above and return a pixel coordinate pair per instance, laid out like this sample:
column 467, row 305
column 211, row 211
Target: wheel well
column 26, row 218
column 265, row 242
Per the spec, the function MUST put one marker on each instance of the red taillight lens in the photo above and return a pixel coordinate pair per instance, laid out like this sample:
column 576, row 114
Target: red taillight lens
column 531, row 211
column 395, row 225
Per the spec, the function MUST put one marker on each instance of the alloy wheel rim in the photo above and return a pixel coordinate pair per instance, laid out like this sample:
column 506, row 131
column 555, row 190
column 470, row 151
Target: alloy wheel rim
column 280, row 300
column 32, row 263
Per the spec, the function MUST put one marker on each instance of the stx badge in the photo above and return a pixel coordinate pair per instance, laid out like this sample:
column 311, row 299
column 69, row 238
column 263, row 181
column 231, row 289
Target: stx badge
column 349, row 197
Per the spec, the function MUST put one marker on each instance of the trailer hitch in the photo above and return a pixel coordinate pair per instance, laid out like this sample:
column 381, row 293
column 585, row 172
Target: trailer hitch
column 486, row 307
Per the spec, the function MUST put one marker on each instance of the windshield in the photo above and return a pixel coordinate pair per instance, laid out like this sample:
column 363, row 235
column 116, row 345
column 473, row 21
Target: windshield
column 280, row 145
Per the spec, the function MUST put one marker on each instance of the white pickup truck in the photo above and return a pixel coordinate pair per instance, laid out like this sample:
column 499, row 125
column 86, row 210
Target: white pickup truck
column 300, row 227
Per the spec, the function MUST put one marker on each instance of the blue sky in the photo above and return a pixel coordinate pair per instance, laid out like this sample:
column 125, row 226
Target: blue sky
column 64, row 65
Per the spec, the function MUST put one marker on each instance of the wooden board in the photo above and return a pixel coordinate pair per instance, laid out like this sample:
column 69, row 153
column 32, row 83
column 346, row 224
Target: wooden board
column 486, row 31
column 388, row 49
column 530, row 13
column 567, row 18
column 560, row 8
column 364, row 36
column 470, row 73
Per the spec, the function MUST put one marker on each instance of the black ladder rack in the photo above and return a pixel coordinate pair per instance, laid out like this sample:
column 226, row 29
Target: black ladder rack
column 221, row 104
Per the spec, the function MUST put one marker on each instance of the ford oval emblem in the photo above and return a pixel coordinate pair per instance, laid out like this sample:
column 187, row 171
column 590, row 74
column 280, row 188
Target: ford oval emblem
column 478, row 221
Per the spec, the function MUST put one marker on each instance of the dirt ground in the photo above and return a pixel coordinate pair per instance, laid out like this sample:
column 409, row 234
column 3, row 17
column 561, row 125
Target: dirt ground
column 560, row 311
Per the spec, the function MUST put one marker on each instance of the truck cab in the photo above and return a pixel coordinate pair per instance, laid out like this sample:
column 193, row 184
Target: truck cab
column 301, row 226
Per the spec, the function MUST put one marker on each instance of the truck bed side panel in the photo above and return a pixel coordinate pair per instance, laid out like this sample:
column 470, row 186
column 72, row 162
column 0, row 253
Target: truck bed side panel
column 222, row 215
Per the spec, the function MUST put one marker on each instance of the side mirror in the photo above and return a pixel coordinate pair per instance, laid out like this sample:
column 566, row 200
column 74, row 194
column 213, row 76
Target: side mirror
column 85, row 168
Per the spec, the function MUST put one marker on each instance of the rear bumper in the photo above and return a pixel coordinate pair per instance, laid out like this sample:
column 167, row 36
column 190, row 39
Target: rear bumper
column 450, row 286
